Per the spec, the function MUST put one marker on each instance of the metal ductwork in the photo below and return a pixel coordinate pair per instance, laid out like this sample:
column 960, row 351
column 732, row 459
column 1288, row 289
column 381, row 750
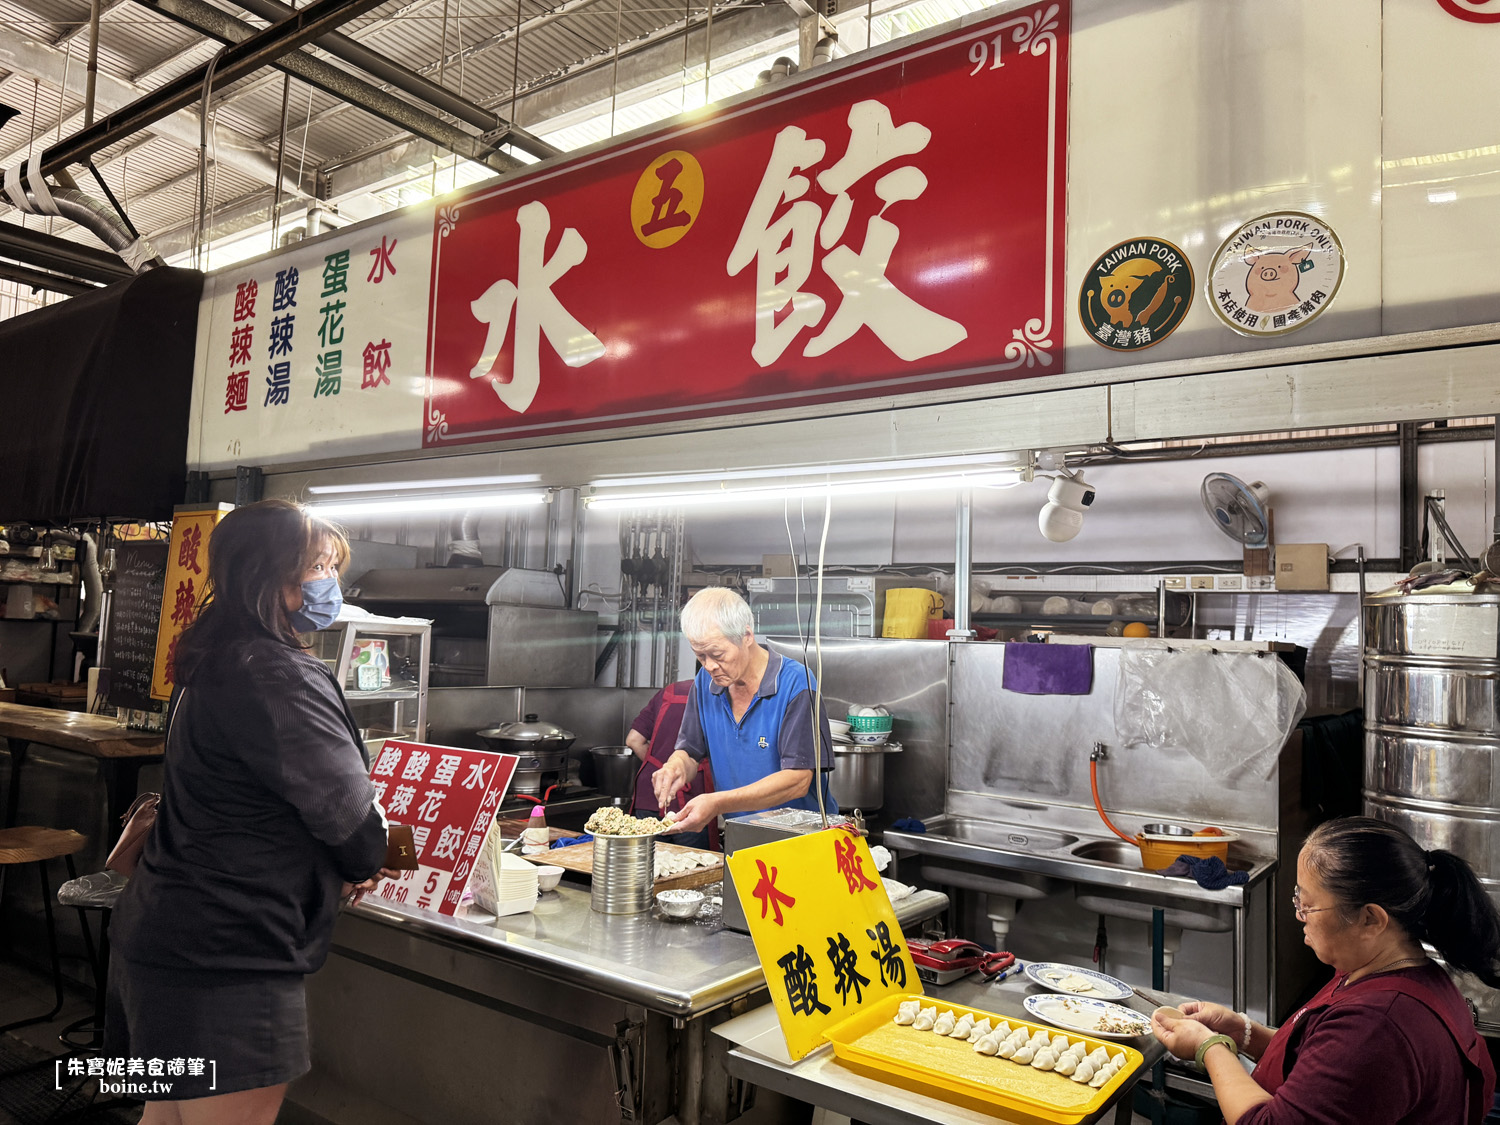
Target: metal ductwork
column 29, row 191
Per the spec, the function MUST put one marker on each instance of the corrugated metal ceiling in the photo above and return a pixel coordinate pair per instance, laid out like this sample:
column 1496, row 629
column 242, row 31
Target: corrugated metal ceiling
column 468, row 46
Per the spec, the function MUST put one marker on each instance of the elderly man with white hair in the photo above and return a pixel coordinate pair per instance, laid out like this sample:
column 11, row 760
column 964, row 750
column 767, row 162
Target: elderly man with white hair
column 750, row 712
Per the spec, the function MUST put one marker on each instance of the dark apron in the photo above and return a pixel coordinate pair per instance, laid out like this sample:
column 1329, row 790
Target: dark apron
column 1271, row 1071
column 656, row 757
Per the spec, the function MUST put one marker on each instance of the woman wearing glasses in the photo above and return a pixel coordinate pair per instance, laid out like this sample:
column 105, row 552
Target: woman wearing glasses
column 1389, row 1038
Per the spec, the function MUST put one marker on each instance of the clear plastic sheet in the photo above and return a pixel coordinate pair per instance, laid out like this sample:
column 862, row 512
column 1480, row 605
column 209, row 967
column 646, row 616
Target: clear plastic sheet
column 101, row 889
column 1231, row 711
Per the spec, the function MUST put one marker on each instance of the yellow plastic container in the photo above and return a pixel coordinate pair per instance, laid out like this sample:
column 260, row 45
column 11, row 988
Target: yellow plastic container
column 907, row 610
column 983, row 1097
column 1158, row 852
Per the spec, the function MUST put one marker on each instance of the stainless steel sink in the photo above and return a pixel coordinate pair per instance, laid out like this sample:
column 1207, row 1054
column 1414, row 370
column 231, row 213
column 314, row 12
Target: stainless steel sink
column 998, row 835
column 1110, row 851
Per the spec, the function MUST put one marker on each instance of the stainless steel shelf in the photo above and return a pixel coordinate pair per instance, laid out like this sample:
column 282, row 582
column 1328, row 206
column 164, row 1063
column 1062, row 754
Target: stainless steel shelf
column 384, row 695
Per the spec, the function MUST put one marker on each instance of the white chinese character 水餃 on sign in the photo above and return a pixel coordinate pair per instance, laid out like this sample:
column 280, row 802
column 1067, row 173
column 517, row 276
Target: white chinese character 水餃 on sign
column 784, row 245
column 536, row 309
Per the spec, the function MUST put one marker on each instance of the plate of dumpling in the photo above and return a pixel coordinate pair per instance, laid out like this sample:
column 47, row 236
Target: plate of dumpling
column 1080, row 1013
column 1076, row 980
column 983, row 1060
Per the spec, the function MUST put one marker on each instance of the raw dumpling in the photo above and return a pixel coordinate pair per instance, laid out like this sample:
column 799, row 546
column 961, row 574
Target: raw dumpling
column 989, row 1045
column 1067, row 1064
column 1039, row 1039
column 1004, row 1048
column 1084, row 1071
column 962, row 1028
column 1101, row 1077
column 1077, row 1050
column 1059, row 1043
column 908, row 1011
column 1017, row 1038
column 925, row 1019
column 944, row 1023
column 982, row 1028
column 1024, row 1055
column 1046, row 1059
column 1098, row 1056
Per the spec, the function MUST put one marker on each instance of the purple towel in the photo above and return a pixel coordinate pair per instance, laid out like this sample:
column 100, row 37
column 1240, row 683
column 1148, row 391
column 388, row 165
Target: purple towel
column 1042, row 669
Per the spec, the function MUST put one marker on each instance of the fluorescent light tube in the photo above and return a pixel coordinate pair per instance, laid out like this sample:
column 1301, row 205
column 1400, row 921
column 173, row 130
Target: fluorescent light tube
column 407, row 485
column 996, row 462
column 420, row 505
column 880, row 486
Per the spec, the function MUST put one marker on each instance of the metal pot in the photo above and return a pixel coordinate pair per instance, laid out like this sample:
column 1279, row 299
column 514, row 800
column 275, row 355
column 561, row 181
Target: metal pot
column 539, row 745
column 858, row 780
column 615, row 769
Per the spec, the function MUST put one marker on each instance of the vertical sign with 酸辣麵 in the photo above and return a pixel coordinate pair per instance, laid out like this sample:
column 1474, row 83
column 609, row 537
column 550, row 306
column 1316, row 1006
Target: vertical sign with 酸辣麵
column 823, row 928
column 187, row 575
column 448, row 796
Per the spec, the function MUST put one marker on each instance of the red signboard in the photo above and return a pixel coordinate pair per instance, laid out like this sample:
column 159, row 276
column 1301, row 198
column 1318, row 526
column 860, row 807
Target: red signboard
column 894, row 225
column 449, row 797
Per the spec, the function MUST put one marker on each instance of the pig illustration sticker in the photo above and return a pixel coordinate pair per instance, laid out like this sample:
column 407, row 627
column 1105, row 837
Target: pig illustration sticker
column 1136, row 294
column 1276, row 273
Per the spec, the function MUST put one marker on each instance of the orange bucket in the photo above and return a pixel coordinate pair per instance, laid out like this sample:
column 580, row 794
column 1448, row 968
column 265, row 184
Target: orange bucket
column 1160, row 850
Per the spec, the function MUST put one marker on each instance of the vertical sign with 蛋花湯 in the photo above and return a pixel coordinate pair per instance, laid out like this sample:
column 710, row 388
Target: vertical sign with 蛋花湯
column 448, row 796
column 823, row 928
column 187, row 576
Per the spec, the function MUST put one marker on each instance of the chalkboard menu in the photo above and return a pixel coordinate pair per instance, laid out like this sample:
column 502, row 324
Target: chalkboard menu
column 134, row 610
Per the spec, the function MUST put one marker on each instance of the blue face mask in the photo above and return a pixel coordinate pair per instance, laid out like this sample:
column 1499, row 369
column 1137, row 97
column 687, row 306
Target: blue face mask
column 321, row 601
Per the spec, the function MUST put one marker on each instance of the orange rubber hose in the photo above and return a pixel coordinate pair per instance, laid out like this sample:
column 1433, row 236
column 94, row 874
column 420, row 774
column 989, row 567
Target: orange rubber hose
column 1094, row 785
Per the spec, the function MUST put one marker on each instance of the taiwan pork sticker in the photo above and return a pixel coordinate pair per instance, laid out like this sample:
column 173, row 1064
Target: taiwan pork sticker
column 1136, row 294
column 1276, row 274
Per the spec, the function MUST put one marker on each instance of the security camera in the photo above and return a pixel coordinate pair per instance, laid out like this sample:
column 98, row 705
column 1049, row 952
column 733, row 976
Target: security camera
column 1061, row 517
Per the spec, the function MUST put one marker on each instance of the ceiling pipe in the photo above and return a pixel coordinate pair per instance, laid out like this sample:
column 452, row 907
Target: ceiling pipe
column 44, row 251
column 342, row 46
column 206, row 19
column 29, row 192
column 243, row 58
column 38, row 279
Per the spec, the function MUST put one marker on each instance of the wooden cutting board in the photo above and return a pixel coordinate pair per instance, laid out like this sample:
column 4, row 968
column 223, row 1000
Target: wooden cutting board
column 579, row 859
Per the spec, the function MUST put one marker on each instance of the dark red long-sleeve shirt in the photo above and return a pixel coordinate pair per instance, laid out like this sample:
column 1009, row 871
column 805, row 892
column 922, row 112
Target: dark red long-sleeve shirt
column 1378, row 1057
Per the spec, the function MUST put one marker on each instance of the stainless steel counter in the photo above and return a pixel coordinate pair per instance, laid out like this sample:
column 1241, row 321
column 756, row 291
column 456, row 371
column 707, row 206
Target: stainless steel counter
column 614, row 1010
column 679, row 969
column 759, row 1056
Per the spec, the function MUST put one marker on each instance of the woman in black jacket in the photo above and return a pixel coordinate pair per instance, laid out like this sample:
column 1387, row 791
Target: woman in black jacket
column 267, row 821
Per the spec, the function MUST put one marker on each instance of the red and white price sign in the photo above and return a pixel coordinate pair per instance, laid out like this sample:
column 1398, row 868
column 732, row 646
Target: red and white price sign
column 449, row 797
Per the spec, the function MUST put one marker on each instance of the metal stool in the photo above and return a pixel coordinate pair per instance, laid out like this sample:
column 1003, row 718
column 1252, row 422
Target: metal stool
column 30, row 844
column 99, row 891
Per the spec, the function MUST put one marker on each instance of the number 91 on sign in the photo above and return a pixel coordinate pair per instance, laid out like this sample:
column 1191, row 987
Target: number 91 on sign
column 981, row 50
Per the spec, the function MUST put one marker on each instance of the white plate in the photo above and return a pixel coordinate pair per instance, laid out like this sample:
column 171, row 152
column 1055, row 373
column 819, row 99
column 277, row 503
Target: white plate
column 1105, row 987
column 1081, row 1014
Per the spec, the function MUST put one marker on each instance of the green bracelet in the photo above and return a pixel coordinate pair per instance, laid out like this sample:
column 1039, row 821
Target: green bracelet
column 1209, row 1042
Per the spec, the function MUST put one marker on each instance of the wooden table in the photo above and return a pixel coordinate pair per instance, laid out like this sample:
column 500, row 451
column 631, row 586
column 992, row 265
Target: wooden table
column 121, row 753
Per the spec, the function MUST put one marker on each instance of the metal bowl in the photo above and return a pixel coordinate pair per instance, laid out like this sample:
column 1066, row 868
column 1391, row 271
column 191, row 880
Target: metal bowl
column 1167, row 830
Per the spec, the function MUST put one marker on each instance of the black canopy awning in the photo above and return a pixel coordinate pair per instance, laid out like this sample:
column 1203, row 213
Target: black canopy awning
column 94, row 400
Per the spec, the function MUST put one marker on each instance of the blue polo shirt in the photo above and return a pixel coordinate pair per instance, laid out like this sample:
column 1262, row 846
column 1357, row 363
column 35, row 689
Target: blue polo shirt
column 774, row 734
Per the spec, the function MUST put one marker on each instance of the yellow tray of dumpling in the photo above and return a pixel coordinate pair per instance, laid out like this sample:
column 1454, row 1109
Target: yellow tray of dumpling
column 870, row 1042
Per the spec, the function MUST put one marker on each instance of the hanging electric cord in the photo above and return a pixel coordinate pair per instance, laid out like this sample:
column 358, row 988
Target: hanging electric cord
column 786, row 516
column 208, row 85
column 817, row 707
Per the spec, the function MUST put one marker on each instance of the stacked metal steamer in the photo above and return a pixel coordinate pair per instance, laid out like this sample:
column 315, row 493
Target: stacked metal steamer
column 1432, row 732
